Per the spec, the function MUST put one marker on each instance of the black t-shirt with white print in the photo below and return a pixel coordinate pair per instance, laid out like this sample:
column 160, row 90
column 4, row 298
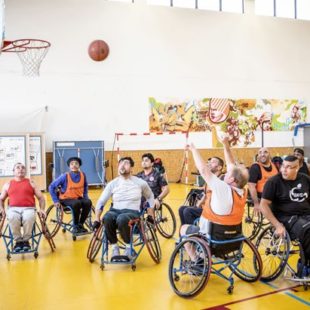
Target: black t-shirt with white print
column 289, row 197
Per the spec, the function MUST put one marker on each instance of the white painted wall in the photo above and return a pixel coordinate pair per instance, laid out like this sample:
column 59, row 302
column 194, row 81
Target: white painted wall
column 154, row 51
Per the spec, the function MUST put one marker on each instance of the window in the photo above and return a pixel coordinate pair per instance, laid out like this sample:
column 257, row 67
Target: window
column 185, row 4
column 303, row 9
column 235, row 6
column 159, row 2
column 299, row 9
column 212, row 5
column 264, row 7
column 285, row 8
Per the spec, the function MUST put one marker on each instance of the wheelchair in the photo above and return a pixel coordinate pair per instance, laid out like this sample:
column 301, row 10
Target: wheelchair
column 165, row 220
column 194, row 195
column 252, row 223
column 39, row 228
column 57, row 218
column 226, row 253
column 279, row 255
column 142, row 233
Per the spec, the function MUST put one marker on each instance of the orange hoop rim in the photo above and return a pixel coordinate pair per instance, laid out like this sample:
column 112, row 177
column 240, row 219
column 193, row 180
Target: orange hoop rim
column 22, row 45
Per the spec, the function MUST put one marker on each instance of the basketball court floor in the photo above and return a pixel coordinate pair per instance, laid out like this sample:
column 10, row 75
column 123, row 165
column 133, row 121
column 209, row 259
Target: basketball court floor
column 66, row 280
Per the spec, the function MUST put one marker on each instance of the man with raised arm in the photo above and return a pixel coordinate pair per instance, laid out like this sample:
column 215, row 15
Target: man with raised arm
column 225, row 200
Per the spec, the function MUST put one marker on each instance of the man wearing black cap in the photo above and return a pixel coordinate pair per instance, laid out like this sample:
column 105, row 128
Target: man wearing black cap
column 73, row 192
column 299, row 153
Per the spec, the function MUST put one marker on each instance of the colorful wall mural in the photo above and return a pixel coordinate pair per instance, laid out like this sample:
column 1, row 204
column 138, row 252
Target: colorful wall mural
column 240, row 118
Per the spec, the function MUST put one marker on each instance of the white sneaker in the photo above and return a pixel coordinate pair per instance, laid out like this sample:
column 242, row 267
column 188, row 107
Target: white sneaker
column 128, row 252
column 115, row 251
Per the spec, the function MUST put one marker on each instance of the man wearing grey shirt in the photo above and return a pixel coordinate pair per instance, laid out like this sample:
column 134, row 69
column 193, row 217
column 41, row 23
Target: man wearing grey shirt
column 126, row 191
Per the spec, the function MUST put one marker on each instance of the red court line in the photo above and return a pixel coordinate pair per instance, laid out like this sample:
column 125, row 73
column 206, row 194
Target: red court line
column 223, row 306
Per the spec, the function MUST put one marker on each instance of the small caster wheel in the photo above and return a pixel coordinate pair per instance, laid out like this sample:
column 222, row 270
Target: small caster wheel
column 74, row 238
column 133, row 267
column 101, row 266
column 64, row 230
column 230, row 289
column 176, row 278
column 36, row 254
column 8, row 257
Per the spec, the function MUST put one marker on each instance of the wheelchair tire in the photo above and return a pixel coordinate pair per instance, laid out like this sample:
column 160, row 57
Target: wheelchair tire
column 251, row 224
column 151, row 241
column 95, row 244
column 186, row 277
column 165, row 221
column 54, row 217
column 89, row 221
column 274, row 252
column 250, row 266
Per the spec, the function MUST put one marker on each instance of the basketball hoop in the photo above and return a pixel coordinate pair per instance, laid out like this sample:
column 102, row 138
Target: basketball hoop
column 31, row 52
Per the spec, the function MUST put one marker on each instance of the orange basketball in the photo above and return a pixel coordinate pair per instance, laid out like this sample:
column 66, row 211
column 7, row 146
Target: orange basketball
column 98, row 50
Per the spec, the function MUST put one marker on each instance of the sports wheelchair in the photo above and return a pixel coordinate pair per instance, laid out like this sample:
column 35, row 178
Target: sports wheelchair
column 61, row 217
column 142, row 233
column 252, row 224
column 279, row 255
column 165, row 220
column 39, row 228
column 196, row 256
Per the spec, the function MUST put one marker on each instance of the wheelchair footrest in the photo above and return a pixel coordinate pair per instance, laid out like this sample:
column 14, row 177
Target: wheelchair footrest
column 296, row 279
column 120, row 259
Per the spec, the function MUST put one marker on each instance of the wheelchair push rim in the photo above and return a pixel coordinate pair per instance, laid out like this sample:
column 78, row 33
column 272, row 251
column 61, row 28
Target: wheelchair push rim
column 95, row 243
column 165, row 221
column 274, row 252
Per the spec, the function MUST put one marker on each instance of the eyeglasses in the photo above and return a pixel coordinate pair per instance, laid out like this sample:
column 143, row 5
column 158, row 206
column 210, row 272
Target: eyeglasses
column 289, row 167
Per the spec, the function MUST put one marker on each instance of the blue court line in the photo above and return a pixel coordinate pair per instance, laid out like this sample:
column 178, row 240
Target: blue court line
column 288, row 294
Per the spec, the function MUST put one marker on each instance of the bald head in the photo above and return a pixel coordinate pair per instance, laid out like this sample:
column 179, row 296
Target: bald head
column 264, row 156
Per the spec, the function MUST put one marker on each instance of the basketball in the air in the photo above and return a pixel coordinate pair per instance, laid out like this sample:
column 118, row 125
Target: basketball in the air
column 98, row 50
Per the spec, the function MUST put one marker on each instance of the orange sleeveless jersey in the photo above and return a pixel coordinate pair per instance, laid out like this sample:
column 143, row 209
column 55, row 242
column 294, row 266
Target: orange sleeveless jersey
column 265, row 176
column 234, row 218
column 21, row 193
column 74, row 190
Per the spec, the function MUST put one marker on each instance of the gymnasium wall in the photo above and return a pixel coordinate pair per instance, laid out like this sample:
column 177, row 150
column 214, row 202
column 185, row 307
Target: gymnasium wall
column 154, row 51
column 173, row 161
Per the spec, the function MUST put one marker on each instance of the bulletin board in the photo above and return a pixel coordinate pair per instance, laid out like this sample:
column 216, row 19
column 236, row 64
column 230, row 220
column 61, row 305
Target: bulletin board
column 26, row 148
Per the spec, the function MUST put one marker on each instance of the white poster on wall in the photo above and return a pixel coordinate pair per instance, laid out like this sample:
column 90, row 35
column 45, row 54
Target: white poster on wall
column 12, row 151
column 35, row 155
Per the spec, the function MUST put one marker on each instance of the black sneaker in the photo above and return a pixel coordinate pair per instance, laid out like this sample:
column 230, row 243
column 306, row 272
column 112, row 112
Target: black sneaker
column 26, row 246
column 18, row 246
column 82, row 229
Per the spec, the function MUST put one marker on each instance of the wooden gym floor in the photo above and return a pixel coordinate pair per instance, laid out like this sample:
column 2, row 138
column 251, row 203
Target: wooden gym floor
column 66, row 280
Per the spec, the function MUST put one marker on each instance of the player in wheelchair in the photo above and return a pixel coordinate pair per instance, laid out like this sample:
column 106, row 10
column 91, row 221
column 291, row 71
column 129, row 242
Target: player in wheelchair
column 22, row 234
column 191, row 262
column 69, row 193
column 286, row 204
column 126, row 192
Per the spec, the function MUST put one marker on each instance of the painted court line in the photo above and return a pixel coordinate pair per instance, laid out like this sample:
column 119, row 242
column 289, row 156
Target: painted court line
column 290, row 294
column 223, row 306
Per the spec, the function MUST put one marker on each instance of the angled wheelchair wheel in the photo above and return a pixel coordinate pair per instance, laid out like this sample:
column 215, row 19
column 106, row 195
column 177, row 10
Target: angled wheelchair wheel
column 95, row 244
column 251, row 223
column 165, row 221
column 274, row 252
column 188, row 275
column 151, row 241
column 89, row 220
column 248, row 266
column 54, row 218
